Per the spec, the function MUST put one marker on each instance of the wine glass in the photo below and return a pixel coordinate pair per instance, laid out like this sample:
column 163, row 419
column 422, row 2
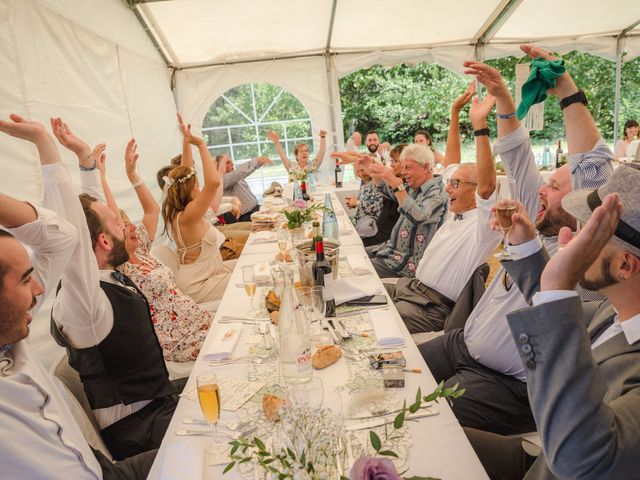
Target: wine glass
column 318, row 306
column 209, row 397
column 249, row 281
column 305, row 300
column 283, row 240
column 505, row 208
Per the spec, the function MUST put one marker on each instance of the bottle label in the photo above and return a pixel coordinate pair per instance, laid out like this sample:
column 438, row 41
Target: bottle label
column 302, row 360
column 339, row 176
column 328, row 287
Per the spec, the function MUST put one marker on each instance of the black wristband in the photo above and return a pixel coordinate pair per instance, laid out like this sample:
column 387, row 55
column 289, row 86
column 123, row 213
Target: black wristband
column 579, row 97
column 481, row 132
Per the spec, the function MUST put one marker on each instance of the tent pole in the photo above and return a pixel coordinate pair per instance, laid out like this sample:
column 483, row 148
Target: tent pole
column 616, row 110
column 336, row 135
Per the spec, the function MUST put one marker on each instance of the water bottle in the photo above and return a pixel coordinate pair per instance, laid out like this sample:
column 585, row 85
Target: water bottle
column 297, row 191
column 330, row 230
column 311, row 181
column 293, row 327
column 546, row 156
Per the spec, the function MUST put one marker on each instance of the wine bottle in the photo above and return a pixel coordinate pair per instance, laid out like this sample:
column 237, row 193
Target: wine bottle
column 315, row 232
column 323, row 277
column 559, row 160
column 303, row 187
column 338, row 174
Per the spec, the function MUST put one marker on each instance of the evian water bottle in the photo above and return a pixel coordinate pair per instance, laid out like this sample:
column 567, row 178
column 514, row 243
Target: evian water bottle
column 295, row 346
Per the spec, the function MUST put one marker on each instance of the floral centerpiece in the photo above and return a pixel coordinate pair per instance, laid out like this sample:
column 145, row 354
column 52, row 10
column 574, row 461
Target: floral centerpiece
column 301, row 212
column 298, row 173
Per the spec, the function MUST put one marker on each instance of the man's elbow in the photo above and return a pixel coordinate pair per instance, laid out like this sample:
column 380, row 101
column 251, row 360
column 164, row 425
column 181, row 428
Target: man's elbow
column 485, row 191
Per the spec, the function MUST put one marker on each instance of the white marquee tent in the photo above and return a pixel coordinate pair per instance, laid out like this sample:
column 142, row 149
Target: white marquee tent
column 116, row 69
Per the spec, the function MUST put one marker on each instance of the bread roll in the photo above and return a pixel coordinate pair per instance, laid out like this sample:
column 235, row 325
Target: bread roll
column 271, row 406
column 325, row 356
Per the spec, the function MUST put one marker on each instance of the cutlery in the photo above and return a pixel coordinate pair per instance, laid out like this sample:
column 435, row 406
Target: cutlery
column 382, row 413
column 377, row 422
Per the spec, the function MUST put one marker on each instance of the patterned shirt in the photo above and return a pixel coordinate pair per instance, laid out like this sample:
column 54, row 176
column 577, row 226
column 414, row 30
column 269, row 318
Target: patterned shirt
column 421, row 214
column 369, row 201
column 180, row 323
column 487, row 334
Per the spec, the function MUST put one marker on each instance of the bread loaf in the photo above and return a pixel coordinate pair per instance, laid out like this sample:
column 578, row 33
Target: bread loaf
column 325, row 356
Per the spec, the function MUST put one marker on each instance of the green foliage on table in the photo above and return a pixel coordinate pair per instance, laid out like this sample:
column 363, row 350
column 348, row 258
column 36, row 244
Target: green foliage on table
column 284, row 464
column 401, row 99
column 297, row 216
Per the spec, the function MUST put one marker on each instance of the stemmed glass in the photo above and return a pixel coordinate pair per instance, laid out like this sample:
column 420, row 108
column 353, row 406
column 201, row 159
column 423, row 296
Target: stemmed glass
column 505, row 208
column 283, row 240
column 318, row 306
column 249, row 281
column 209, row 397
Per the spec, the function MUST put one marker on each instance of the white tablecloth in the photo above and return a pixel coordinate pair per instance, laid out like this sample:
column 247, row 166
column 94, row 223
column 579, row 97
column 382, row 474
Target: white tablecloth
column 439, row 446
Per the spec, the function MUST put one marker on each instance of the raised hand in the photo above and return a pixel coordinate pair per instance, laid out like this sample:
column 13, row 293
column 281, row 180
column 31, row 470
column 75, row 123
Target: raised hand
column 488, row 76
column 463, row 99
column 380, row 172
column 21, row 128
column 346, row 158
column 273, row 136
column 323, row 133
column 479, row 111
column 565, row 269
column 131, row 157
column 265, row 160
column 98, row 153
column 187, row 136
column 564, row 84
column 67, row 138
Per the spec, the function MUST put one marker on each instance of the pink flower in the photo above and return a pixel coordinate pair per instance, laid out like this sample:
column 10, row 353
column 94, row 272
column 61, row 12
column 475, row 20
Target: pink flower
column 411, row 266
column 300, row 204
column 420, row 238
column 373, row 468
column 404, row 234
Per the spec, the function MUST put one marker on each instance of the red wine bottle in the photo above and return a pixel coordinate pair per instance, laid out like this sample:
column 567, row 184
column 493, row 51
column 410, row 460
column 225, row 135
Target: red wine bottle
column 323, row 277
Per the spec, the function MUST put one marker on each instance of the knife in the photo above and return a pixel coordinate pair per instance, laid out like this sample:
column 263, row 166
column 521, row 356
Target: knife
column 379, row 422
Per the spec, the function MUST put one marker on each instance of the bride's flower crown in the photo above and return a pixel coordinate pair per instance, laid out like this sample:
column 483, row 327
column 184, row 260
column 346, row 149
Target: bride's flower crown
column 171, row 181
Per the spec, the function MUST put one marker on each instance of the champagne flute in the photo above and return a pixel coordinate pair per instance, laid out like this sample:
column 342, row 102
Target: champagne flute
column 318, row 306
column 209, row 397
column 505, row 208
column 249, row 281
column 283, row 240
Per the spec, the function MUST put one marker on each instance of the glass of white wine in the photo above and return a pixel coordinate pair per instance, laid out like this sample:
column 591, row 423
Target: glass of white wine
column 505, row 208
column 249, row 282
column 209, row 397
column 283, row 240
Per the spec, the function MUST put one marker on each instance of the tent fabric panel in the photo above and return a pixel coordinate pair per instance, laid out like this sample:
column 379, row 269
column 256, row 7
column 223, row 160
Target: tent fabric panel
column 201, row 31
column 366, row 24
column 305, row 78
column 544, row 19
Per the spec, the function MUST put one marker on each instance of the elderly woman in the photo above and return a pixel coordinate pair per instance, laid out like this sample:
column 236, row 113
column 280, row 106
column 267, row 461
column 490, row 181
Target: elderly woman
column 301, row 153
column 368, row 205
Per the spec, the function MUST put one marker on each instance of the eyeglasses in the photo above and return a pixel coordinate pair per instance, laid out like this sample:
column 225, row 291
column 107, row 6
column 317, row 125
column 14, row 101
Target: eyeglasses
column 455, row 182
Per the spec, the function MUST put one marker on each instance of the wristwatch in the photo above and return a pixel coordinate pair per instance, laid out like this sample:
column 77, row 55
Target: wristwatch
column 578, row 97
column 399, row 188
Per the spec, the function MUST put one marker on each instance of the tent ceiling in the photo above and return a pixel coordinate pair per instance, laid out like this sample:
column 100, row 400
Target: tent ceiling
column 205, row 32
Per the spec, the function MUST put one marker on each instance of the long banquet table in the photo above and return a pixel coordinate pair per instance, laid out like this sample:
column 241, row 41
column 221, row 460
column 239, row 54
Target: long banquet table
column 438, row 446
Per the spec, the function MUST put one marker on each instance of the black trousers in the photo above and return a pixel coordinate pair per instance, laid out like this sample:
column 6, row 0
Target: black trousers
column 143, row 430
column 132, row 468
column 246, row 217
column 493, row 402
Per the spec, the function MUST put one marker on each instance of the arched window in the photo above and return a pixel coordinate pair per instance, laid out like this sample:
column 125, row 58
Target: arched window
column 237, row 123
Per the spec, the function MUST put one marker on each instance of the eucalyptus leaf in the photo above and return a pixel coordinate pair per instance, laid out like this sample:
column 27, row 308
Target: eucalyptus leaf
column 399, row 420
column 259, row 443
column 229, row 467
column 388, row 453
column 375, row 440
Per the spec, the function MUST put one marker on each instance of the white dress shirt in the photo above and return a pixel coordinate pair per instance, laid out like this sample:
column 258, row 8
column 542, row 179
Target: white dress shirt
column 42, row 437
column 81, row 309
column 457, row 249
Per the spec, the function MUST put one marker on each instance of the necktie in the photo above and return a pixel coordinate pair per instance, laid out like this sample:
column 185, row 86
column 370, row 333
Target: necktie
column 121, row 277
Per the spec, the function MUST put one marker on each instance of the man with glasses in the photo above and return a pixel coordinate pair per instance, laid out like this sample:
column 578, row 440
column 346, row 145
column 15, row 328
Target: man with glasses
column 463, row 243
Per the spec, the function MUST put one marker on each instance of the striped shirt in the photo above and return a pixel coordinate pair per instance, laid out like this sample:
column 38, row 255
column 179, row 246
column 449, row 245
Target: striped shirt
column 487, row 334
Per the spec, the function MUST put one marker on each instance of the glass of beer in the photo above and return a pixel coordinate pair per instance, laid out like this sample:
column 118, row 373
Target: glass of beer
column 249, row 282
column 209, row 397
column 505, row 208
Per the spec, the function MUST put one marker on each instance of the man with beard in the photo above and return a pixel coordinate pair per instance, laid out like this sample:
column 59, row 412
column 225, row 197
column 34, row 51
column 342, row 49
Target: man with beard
column 103, row 320
column 482, row 357
column 583, row 360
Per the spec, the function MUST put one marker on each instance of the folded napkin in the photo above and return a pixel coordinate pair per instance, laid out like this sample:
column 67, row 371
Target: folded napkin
column 183, row 460
column 265, row 236
column 262, row 272
column 224, row 341
column 345, row 289
column 386, row 329
column 287, row 191
column 359, row 265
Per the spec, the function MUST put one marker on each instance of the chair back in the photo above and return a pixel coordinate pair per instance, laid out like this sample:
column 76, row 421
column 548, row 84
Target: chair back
column 78, row 404
column 467, row 300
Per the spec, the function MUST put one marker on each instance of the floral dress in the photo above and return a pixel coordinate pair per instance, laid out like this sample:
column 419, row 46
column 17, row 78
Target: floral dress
column 181, row 324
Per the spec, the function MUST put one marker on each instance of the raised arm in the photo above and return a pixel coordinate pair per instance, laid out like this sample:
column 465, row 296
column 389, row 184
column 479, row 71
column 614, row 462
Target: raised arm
column 452, row 153
column 195, row 210
column 322, row 149
column 275, row 138
column 149, row 205
column 186, row 160
column 101, row 164
column 485, row 165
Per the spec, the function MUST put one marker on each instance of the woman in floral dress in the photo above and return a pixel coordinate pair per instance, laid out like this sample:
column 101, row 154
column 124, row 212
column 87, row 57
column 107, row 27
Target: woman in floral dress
column 302, row 164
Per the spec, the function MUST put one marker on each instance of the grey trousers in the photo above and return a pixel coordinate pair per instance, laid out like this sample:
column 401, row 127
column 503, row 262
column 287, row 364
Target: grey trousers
column 419, row 312
column 493, row 402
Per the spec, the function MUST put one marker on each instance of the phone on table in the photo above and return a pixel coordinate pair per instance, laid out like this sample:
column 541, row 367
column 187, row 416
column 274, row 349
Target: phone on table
column 369, row 300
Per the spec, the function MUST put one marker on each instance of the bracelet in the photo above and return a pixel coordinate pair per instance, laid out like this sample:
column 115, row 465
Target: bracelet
column 89, row 169
column 505, row 116
column 137, row 184
column 481, row 132
column 578, row 97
